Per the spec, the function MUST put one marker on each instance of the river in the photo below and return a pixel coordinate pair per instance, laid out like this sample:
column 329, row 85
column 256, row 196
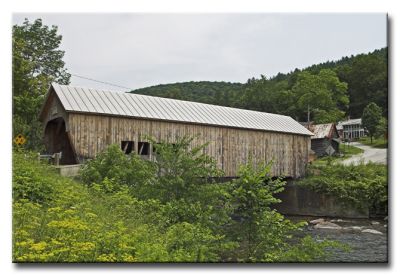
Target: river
column 364, row 247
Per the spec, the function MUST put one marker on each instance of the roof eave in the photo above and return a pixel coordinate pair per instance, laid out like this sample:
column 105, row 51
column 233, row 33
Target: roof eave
column 188, row 122
column 50, row 90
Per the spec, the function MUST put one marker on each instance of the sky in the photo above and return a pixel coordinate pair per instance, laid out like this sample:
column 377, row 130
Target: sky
column 138, row 50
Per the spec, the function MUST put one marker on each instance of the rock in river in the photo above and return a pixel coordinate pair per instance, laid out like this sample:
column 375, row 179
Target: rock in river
column 353, row 228
column 317, row 221
column 338, row 220
column 372, row 231
column 327, row 225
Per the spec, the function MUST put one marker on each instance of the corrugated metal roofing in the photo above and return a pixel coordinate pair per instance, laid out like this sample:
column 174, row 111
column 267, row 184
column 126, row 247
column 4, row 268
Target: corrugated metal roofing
column 321, row 130
column 85, row 100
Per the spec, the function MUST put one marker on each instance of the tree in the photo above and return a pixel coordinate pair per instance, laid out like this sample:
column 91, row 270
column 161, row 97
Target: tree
column 367, row 77
column 382, row 128
column 37, row 61
column 264, row 234
column 181, row 168
column 321, row 95
column 252, row 195
column 371, row 119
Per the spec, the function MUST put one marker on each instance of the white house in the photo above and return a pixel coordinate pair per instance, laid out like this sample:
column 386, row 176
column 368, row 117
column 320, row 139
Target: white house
column 351, row 129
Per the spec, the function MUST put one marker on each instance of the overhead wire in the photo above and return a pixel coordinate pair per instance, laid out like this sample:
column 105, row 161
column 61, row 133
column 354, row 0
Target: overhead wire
column 103, row 82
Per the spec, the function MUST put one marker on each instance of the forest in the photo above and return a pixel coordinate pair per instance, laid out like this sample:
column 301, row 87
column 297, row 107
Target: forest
column 333, row 90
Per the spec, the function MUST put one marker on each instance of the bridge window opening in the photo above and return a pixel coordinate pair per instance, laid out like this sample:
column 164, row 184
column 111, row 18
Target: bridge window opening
column 127, row 146
column 144, row 148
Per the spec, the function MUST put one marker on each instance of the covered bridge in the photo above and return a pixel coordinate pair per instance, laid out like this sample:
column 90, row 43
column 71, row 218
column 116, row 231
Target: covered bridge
column 82, row 122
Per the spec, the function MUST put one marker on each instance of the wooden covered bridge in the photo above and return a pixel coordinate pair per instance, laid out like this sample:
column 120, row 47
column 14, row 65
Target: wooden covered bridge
column 82, row 122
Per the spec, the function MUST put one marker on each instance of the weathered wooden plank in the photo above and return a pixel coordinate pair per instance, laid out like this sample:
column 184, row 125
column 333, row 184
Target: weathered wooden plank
column 230, row 147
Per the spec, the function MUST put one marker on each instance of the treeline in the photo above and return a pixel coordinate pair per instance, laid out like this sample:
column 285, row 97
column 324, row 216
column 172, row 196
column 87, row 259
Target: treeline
column 328, row 91
column 222, row 93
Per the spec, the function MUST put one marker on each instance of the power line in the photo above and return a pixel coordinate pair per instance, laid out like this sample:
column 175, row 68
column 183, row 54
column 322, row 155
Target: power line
column 94, row 80
column 103, row 82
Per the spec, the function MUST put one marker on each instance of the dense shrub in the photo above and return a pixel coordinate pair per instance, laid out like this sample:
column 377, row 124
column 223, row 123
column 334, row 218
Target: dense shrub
column 181, row 170
column 263, row 233
column 113, row 166
column 28, row 180
column 166, row 212
column 363, row 185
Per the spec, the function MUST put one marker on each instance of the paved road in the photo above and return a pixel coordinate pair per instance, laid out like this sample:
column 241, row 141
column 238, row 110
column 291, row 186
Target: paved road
column 376, row 155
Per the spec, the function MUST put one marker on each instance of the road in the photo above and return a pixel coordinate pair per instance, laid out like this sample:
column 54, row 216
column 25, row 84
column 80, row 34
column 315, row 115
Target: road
column 376, row 155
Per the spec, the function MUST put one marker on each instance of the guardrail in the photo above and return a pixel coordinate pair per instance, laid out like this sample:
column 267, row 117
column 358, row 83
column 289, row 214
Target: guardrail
column 54, row 158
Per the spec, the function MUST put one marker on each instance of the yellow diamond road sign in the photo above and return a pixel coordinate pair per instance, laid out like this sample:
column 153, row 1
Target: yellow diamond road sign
column 20, row 140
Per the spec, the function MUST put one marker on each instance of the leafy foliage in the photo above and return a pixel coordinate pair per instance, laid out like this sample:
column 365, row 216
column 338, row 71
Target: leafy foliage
column 319, row 251
column 323, row 94
column 37, row 61
column 332, row 89
column 219, row 93
column 28, row 182
column 182, row 170
column 367, row 77
column 111, row 217
column 260, row 230
column 372, row 120
column 112, row 168
column 363, row 185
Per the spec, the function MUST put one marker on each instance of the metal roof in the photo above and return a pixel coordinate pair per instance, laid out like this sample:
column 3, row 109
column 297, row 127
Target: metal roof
column 322, row 130
column 85, row 100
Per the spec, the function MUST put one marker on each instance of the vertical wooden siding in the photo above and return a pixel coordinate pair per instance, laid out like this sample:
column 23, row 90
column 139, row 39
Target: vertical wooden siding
column 230, row 147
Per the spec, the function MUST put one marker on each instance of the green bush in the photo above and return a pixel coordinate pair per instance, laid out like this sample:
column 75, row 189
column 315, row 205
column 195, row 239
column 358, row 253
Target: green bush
column 113, row 217
column 307, row 250
column 264, row 234
column 112, row 168
column 28, row 180
column 181, row 170
column 363, row 185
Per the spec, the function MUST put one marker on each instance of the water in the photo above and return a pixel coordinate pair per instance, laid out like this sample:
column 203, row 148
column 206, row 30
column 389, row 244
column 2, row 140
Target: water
column 365, row 247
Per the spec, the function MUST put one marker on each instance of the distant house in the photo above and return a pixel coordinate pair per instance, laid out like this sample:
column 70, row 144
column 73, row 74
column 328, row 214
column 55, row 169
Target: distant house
column 351, row 129
column 325, row 140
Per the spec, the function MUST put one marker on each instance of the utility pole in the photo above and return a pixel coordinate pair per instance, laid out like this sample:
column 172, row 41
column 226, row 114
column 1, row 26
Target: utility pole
column 308, row 115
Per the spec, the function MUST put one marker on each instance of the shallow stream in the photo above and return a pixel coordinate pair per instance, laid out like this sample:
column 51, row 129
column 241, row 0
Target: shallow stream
column 365, row 247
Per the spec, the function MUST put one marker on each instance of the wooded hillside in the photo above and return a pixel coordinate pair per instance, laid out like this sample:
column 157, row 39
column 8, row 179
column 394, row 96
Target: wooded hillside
column 365, row 76
column 221, row 93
